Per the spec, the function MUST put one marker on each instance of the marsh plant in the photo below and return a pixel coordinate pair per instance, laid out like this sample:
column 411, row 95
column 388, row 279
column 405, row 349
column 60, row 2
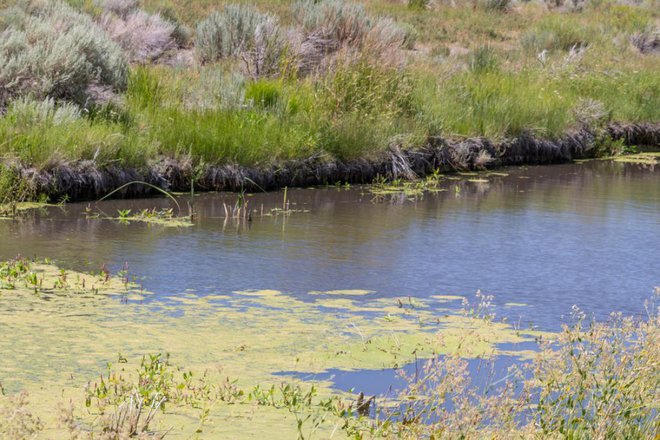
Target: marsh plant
column 593, row 380
column 13, row 191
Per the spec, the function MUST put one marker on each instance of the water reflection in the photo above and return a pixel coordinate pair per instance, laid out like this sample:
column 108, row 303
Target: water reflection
column 549, row 237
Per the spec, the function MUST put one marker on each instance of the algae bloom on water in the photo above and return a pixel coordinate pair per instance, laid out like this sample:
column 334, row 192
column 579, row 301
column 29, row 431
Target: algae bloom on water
column 224, row 348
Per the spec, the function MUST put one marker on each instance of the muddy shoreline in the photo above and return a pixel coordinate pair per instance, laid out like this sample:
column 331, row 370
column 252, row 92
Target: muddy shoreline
column 85, row 180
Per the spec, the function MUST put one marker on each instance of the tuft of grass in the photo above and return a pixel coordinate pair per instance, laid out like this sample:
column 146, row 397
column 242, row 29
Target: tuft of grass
column 556, row 32
column 264, row 94
column 483, row 59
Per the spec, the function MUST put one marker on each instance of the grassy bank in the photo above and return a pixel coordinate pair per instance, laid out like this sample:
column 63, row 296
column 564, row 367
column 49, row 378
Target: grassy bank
column 256, row 85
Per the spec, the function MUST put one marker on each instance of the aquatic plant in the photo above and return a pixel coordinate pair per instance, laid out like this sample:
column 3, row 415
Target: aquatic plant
column 41, row 277
column 163, row 216
column 14, row 192
column 594, row 380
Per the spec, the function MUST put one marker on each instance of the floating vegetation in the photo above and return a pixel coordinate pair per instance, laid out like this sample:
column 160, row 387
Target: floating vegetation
column 21, row 275
column 13, row 210
column 162, row 217
column 349, row 292
column 649, row 158
column 233, row 341
column 414, row 189
column 230, row 390
column 409, row 188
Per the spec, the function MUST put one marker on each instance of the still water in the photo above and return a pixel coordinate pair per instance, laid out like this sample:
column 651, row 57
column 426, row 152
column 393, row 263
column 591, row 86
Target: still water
column 548, row 237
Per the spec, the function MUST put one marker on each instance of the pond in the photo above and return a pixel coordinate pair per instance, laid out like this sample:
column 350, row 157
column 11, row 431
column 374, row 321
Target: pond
column 242, row 293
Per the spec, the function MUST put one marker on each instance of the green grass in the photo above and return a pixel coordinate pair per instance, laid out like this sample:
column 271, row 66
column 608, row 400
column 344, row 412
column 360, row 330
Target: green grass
column 473, row 72
column 354, row 113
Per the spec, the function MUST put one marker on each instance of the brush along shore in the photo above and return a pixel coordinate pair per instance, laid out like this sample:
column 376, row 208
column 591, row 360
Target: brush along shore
column 85, row 180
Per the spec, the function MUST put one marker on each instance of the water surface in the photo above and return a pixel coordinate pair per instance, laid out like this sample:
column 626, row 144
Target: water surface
column 548, row 237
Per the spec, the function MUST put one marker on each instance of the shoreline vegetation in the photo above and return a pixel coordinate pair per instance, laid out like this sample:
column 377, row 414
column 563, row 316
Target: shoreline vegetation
column 590, row 380
column 85, row 180
column 222, row 96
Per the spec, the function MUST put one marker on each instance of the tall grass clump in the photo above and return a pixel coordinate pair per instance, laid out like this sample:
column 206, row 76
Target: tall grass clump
column 48, row 49
column 495, row 104
column 483, row 59
column 43, row 134
column 263, row 94
column 366, row 107
column 418, row 5
column 556, row 32
column 494, row 5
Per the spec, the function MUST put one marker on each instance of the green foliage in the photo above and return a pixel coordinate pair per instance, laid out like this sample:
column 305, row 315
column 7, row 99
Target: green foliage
column 366, row 88
column 483, row 59
column 556, row 32
column 494, row 5
column 263, row 93
column 338, row 83
column 25, row 112
column 418, row 4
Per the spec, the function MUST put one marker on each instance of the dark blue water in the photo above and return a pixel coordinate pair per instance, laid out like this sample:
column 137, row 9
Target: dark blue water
column 549, row 237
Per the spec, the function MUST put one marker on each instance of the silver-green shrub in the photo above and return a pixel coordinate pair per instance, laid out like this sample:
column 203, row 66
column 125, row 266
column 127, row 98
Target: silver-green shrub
column 143, row 37
column 227, row 33
column 265, row 55
column 50, row 50
column 329, row 25
column 118, row 7
column 346, row 23
column 214, row 89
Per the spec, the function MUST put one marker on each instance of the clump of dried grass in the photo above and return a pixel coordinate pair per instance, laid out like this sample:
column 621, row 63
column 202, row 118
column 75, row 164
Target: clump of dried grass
column 647, row 41
column 16, row 420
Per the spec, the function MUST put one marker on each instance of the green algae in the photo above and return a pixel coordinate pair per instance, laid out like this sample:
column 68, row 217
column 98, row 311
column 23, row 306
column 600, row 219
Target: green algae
column 447, row 298
column 347, row 292
column 10, row 211
column 647, row 158
column 175, row 222
column 58, row 343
